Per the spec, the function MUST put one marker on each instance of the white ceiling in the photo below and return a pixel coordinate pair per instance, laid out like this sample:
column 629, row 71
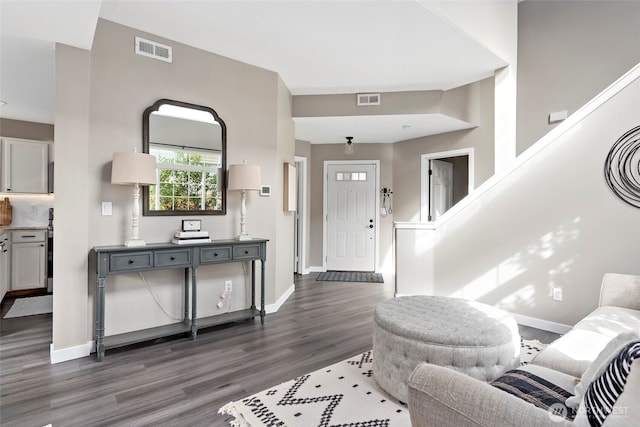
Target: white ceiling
column 375, row 129
column 317, row 47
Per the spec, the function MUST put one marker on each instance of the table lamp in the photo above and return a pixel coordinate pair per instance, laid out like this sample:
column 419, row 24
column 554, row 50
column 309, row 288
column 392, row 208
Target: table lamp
column 132, row 168
column 244, row 178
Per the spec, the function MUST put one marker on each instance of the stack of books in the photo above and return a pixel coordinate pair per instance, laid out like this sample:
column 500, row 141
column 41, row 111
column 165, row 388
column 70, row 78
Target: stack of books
column 189, row 237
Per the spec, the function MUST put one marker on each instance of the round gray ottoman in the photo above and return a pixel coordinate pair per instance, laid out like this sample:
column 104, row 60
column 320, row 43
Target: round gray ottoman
column 470, row 337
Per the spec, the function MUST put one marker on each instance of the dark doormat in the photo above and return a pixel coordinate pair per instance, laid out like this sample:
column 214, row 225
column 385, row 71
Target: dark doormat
column 350, row 276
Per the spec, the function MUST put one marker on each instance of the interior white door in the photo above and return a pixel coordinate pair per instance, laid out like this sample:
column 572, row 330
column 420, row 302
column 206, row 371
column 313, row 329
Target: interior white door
column 440, row 189
column 351, row 217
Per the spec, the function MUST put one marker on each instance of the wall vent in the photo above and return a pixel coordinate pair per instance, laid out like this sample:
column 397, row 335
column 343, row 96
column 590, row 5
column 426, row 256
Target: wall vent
column 368, row 99
column 153, row 49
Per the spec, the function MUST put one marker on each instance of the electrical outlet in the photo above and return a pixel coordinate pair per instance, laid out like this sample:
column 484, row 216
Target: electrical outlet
column 557, row 294
column 228, row 286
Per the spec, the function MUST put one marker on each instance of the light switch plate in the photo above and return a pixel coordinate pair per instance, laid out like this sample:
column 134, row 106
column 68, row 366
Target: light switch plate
column 107, row 209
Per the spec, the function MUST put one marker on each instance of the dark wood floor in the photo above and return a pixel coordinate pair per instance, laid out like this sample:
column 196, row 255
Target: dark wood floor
column 182, row 382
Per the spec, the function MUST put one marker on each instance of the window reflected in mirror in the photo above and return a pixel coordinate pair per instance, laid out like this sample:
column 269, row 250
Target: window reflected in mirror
column 189, row 143
column 186, row 179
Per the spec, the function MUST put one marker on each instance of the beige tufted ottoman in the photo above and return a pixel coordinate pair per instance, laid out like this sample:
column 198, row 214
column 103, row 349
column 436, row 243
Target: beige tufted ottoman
column 470, row 337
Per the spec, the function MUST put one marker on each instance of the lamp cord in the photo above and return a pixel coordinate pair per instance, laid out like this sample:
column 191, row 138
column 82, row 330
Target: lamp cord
column 166, row 312
column 171, row 316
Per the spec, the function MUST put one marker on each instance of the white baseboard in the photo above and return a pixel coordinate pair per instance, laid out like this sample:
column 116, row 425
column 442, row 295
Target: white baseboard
column 533, row 322
column 272, row 308
column 316, row 269
column 70, row 353
column 545, row 325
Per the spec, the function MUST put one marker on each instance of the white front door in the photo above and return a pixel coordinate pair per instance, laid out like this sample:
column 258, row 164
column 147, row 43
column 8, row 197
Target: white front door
column 351, row 218
column 441, row 188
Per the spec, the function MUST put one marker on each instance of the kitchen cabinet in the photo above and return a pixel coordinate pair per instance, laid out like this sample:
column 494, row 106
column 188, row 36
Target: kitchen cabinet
column 4, row 264
column 28, row 259
column 25, row 166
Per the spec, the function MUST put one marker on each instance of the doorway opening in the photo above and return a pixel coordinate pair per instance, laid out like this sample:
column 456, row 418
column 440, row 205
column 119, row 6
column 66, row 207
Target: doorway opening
column 446, row 178
column 300, row 217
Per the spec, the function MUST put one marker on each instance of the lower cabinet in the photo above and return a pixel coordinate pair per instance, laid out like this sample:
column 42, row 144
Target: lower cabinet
column 28, row 260
column 4, row 264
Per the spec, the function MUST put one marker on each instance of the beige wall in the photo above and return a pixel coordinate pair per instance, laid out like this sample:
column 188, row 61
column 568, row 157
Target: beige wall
column 456, row 103
column 26, row 130
column 119, row 85
column 426, row 101
column 568, row 51
column 303, row 148
column 406, row 154
column 285, row 153
column 71, row 302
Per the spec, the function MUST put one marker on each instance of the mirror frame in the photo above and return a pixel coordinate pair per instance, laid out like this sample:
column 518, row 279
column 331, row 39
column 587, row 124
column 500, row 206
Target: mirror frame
column 145, row 148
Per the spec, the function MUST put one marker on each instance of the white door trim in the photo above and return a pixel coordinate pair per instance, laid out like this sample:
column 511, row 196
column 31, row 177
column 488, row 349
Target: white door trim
column 424, row 170
column 303, row 214
column 324, row 205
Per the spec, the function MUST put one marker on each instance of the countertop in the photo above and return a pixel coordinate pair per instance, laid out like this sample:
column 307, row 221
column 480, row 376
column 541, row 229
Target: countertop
column 17, row 228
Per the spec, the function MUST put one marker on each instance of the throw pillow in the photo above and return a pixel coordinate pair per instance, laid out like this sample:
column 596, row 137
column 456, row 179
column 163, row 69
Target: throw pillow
column 602, row 394
column 536, row 390
column 598, row 366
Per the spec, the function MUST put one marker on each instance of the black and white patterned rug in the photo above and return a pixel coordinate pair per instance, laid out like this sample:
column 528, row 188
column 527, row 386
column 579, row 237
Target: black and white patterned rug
column 350, row 276
column 341, row 394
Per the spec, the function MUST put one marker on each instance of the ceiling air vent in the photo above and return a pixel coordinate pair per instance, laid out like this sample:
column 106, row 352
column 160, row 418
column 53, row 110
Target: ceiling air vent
column 368, row 99
column 153, row 49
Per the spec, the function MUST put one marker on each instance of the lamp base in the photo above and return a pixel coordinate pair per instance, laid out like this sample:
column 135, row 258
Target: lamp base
column 133, row 243
column 244, row 237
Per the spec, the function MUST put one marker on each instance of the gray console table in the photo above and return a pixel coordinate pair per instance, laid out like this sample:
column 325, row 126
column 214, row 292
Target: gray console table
column 113, row 260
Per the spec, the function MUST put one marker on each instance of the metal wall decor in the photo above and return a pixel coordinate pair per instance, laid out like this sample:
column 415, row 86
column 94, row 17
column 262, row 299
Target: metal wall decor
column 622, row 167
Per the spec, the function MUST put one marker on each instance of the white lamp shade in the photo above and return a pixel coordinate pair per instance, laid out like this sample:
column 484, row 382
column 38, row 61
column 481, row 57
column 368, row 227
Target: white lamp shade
column 133, row 168
column 244, row 177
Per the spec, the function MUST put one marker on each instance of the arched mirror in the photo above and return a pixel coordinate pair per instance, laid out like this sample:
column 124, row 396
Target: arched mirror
column 189, row 143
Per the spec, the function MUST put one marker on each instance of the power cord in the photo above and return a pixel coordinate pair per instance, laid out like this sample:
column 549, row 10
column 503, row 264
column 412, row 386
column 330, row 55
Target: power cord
column 219, row 305
column 245, row 273
column 225, row 295
column 171, row 316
